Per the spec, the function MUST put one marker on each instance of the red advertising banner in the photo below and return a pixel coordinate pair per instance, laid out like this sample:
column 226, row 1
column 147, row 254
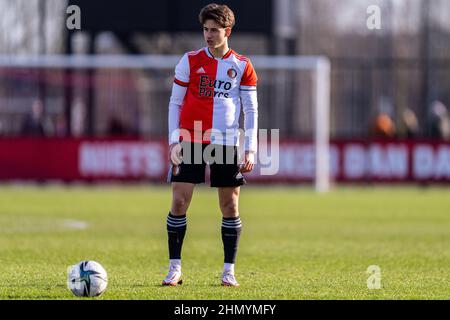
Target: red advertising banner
column 353, row 161
column 290, row 162
column 79, row 159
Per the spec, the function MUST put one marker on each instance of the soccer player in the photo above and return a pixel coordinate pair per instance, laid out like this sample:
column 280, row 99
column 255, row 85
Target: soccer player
column 208, row 89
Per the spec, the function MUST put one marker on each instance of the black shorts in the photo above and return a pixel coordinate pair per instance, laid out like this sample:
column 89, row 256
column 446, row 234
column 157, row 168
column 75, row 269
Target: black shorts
column 222, row 160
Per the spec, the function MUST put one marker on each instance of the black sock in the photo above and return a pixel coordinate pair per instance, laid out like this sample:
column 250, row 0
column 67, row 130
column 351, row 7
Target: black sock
column 176, row 228
column 231, row 231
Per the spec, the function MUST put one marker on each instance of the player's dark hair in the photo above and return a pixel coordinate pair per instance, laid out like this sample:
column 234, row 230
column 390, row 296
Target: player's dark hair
column 220, row 13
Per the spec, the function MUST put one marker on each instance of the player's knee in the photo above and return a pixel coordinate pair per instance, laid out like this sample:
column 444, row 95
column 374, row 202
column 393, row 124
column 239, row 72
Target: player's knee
column 179, row 205
column 229, row 209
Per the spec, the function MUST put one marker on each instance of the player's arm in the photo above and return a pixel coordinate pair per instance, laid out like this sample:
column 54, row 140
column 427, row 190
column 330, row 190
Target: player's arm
column 250, row 106
column 179, row 89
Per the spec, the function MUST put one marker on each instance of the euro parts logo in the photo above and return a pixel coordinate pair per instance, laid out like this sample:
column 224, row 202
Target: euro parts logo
column 208, row 85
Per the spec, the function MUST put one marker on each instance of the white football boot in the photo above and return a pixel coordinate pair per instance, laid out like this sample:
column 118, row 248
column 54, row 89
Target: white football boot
column 229, row 280
column 173, row 278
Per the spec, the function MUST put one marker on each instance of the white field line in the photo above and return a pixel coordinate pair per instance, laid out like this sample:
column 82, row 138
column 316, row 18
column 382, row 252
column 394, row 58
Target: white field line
column 56, row 225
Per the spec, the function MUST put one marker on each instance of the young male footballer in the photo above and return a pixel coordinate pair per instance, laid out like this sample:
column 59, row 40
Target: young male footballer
column 209, row 86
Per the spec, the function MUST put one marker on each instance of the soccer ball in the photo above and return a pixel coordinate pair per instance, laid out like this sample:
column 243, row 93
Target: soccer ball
column 87, row 279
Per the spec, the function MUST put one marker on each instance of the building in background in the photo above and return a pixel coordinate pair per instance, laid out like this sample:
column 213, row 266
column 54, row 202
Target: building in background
column 406, row 63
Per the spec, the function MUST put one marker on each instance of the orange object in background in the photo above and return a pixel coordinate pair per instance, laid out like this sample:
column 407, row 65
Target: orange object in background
column 384, row 126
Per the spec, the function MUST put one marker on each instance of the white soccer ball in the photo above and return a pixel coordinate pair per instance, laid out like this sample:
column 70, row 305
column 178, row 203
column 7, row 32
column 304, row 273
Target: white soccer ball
column 87, row 279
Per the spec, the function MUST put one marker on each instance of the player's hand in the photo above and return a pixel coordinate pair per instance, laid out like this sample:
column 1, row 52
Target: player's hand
column 249, row 162
column 175, row 156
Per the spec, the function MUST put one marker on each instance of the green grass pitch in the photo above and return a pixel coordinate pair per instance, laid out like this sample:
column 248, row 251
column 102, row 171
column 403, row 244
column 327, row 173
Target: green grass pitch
column 295, row 243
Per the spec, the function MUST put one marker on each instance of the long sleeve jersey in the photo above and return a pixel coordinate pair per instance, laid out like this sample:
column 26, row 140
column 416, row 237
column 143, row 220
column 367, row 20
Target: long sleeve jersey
column 208, row 91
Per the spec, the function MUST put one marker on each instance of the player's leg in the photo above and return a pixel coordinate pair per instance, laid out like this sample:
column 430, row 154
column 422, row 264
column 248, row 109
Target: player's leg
column 231, row 231
column 176, row 229
column 227, row 178
column 176, row 220
column 183, row 184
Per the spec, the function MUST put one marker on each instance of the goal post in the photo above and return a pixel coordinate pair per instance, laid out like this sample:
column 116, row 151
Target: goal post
column 321, row 68
column 318, row 90
column 322, row 130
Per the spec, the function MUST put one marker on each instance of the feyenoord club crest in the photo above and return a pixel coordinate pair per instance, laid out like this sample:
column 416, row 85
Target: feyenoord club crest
column 232, row 73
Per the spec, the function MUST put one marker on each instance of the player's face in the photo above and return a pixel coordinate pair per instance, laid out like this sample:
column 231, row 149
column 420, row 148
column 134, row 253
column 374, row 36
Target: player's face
column 214, row 34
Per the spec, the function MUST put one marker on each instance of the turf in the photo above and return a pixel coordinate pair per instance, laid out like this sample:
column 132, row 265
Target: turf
column 295, row 243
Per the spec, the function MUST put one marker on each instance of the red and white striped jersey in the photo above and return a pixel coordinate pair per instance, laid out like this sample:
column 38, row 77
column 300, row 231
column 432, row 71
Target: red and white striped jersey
column 210, row 90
